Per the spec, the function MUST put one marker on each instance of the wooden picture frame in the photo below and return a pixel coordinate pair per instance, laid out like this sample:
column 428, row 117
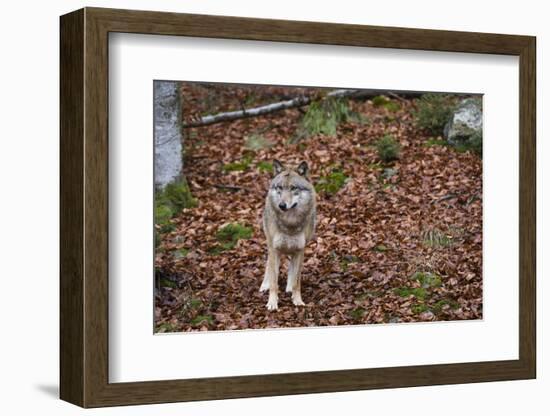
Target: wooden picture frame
column 84, row 207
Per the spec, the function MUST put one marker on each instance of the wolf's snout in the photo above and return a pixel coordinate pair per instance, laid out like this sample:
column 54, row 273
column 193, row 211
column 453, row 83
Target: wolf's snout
column 282, row 206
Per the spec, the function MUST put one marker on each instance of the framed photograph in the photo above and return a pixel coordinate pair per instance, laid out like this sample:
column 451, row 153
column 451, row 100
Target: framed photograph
column 255, row 207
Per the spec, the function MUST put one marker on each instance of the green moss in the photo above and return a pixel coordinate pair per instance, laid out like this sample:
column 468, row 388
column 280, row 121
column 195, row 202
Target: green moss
column 239, row 165
column 382, row 101
column 419, row 308
column 201, row 319
column 165, row 327
column 168, row 283
column 417, row 292
column 181, row 253
column 195, row 303
column 215, row 250
column 380, row 248
column 178, row 196
column 264, row 166
column 427, row 279
column 440, row 304
column 163, row 214
column 476, row 141
column 375, row 166
column 357, row 313
column 392, row 106
column 369, row 294
column 474, row 144
column 157, row 239
column 331, row 183
column 168, row 202
column 230, row 234
column 358, row 118
column 433, row 112
column 388, row 148
column 435, row 142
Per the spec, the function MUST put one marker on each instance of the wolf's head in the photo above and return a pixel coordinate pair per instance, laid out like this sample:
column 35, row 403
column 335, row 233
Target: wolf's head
column 291, row 194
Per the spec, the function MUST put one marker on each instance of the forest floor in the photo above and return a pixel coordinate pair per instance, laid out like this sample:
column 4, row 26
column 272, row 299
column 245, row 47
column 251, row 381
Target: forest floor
column 395, row 242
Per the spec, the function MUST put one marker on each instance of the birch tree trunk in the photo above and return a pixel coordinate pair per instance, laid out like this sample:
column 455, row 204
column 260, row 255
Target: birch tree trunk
column 168, row 138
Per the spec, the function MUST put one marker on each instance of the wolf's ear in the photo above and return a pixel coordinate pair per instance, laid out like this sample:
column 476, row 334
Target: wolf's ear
column 278, row 167
column 302, row 169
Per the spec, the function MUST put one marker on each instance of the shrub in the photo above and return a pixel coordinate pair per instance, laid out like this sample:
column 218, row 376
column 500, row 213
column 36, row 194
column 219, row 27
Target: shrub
column 177, row 196
column 388, row 148
column 169, row 201
column 323, row 117
column 433, row 112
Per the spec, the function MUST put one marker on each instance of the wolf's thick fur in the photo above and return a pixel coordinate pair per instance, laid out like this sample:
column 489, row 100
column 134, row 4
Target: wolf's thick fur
column 288, row 223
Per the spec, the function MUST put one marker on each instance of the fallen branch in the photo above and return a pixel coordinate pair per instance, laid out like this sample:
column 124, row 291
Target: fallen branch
column 264, row 109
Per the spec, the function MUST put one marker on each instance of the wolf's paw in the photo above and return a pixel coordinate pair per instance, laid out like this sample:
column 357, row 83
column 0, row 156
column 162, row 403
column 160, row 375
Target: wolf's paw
column 264, row 286
column 297, row 300
column 272, row 305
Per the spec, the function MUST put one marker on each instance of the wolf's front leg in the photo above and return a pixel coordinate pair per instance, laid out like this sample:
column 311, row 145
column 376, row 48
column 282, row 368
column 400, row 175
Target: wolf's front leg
column 294, row 278
column 272, row 276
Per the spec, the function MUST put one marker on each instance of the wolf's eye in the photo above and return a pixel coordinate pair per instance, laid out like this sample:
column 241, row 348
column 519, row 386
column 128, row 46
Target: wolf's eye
column 279, row 188
column 293, row 188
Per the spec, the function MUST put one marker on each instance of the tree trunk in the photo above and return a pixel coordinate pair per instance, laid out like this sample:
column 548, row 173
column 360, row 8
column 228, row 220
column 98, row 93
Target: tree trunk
column 168, row 139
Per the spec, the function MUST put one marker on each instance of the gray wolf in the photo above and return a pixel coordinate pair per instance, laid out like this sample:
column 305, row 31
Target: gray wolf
column 289, row 223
